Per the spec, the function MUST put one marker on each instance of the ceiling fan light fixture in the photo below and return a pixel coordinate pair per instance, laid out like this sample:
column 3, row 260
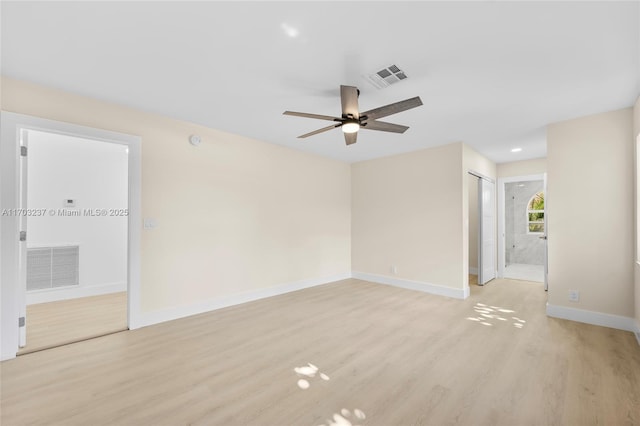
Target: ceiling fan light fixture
column 350, row 126
column 352, row 119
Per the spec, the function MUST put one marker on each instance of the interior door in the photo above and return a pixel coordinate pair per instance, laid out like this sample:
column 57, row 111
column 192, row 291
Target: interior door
column 544, row 237
column 487, row 213
column 22, row 252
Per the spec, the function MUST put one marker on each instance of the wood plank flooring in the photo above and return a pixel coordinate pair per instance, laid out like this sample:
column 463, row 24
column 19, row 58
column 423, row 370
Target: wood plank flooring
column 380, row 356
column 67, row 321
column 473, row 279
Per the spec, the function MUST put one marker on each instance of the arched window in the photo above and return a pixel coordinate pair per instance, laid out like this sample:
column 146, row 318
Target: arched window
column 535, row 214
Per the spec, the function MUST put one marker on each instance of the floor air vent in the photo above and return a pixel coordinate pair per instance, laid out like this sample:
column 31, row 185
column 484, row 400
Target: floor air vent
column 52, row 267
column 386, row 77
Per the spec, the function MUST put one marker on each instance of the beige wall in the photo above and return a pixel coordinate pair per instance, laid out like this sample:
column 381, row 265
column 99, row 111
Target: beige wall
column 590, row 166
column 476, row 162
column 407, row 212
column 522, row 168
column 234, row 214
column 411, row 211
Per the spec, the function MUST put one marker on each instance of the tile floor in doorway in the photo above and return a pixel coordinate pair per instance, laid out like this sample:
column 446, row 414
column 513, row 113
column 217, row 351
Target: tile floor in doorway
column 519, row 271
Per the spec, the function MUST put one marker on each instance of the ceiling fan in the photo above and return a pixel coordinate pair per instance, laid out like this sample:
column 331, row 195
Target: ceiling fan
column 352, row 120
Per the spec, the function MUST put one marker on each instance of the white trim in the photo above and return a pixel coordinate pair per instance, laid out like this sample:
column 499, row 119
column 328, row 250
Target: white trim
column 637, row 332
column 66, row 293
column 12, row 123
column 473, row 271
column 156, row 317
column 591, row 317
column 134, row 248
column 456, row 293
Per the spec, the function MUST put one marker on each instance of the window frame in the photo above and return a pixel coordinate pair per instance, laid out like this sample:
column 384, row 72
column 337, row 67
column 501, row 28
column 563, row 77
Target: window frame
column 535, row 222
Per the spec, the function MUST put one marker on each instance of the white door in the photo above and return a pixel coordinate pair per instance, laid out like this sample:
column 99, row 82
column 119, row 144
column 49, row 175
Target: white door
column 22, row 252
column 487, row 210
column 544, row 237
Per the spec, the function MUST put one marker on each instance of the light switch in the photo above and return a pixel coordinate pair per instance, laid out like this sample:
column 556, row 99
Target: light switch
column 150, row 223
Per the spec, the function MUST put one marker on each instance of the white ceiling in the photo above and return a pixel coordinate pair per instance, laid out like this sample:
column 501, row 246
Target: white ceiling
column 491, row 74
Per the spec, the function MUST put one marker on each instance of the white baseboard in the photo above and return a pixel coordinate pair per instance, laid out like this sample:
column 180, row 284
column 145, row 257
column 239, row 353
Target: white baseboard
column 637, row 332
column 593, row 318
column 66, row 293
column 156, row 317
column 456, row 293
column 473, row 271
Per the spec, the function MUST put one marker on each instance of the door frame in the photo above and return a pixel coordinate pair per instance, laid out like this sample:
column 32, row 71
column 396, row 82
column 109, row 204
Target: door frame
column 12, row 126
column 482, row 177
column 501, row 214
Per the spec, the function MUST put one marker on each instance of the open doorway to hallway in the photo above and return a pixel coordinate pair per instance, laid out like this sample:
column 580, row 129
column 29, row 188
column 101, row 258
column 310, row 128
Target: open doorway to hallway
column 523, row 236
column 76, row 258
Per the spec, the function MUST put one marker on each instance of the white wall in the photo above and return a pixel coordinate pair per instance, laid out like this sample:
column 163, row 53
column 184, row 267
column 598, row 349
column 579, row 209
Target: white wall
column 236, row 217
column 590, row 166
column 95, row 175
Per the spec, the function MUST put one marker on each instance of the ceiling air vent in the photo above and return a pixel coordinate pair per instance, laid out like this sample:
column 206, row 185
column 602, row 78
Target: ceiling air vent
column 386, row 77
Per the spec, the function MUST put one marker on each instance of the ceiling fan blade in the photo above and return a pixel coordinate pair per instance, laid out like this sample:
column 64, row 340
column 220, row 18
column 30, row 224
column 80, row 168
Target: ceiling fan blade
column 307, row 115
column 351, row 138
column 385, row 127
column 349, row 100
column 324, row 129
column 394, row 108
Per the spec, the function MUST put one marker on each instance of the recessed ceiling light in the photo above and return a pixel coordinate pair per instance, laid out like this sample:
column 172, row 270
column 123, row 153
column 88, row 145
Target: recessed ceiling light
column 289, row 30
column 516, row 150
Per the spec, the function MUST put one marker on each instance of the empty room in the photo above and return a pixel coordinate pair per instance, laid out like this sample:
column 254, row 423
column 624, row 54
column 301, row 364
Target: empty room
column 320, row 213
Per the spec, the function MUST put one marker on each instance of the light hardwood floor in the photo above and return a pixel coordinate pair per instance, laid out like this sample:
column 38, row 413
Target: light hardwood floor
column 67, row 321
column 473, row 279
column 394, row 356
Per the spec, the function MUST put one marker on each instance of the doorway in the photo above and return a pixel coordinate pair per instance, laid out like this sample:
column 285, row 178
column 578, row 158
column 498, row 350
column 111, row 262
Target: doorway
column 14, row 144
column 522, row 251
column 76, row 238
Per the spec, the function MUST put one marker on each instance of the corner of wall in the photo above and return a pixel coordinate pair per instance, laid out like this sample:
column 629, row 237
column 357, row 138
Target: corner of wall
column 424, row 287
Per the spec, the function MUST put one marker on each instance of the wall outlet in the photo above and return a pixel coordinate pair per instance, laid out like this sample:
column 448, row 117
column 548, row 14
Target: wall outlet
column 394, row 269
column 574, row 296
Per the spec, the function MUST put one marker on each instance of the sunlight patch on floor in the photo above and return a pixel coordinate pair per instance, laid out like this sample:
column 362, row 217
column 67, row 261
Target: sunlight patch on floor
column 489, row 313
column 309, row 371
column 344, row 418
